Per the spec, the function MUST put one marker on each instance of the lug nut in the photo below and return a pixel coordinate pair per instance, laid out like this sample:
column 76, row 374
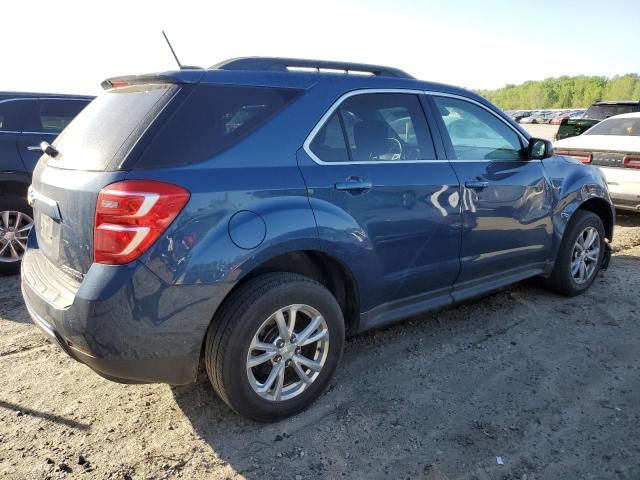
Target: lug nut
column 298, row 350
column 277, row 359
column 280, row 343
column 293, row 339
column 288, row 363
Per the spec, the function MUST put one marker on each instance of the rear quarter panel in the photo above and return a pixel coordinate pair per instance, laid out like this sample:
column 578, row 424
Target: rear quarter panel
column 258, row 175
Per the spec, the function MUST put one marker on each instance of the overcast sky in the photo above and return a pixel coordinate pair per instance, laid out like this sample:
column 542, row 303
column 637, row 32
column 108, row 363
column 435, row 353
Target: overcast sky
column 70, row 47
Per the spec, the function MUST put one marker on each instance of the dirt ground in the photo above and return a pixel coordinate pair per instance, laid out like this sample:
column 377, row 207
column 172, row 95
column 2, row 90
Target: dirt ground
column 549, row 384
column 545, row 131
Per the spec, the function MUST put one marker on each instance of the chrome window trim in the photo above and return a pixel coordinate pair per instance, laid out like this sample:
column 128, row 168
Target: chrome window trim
column 40, row 133
column 363, row 91
column 6, row 100
column 74, row 99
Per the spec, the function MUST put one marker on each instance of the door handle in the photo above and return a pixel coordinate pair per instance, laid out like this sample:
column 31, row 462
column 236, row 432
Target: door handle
column 354, row 185
column 478, row 184
column 33, row 148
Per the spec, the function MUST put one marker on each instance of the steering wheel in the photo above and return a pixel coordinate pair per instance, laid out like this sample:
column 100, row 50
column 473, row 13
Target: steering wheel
column 395, row 149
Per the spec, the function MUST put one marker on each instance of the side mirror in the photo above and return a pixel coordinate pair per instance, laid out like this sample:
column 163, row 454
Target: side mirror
column 539, row 149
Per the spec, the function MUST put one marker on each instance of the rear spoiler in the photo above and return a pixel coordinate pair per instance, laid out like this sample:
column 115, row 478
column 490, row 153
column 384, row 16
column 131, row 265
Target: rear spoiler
column 182, row 76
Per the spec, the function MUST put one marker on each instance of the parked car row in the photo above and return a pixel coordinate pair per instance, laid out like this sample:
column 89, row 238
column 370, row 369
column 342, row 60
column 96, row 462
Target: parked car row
column 543, row 116
column 253, row 214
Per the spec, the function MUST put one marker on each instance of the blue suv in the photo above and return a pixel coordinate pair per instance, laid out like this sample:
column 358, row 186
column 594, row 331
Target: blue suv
column 254, row 213
column 26, row 120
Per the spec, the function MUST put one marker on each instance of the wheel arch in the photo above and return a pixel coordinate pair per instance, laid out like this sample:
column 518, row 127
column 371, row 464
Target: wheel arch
column 321, row 267
column 603, row 209
column 317, row 265
column 14, row 184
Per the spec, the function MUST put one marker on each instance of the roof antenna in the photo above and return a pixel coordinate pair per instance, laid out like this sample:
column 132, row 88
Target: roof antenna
column 172, row 50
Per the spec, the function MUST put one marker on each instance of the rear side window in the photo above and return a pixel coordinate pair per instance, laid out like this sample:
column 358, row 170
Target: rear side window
column 55, row 115
column 212, row 119
column 13, row 114
column 329, row 144
column 377, row 127
column 106, row 130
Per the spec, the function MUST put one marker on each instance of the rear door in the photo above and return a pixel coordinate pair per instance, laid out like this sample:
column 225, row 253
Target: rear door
column 45, row 124
column 506, row 198
column 383, row 200
column 13, row 116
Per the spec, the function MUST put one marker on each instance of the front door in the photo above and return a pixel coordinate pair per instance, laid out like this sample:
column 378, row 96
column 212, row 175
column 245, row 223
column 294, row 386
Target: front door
column 384, row 203
column 506, row 198
column 50, row 118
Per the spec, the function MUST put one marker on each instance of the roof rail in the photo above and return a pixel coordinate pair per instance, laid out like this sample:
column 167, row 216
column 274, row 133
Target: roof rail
column 286, row 64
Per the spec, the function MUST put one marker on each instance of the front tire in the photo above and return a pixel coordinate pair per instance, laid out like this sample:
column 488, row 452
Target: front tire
column 274, row 345
column 16, row 220
column 580, row 256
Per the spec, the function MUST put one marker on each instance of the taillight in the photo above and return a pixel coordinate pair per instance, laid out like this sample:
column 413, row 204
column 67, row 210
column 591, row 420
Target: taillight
column 584, row 157
column 131, row 215
column 632, row 161
column 118, row 83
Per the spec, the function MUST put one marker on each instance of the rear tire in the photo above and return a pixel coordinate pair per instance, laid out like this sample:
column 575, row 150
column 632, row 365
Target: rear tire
column 249, row 318
column 15, row 215
column 566, row 278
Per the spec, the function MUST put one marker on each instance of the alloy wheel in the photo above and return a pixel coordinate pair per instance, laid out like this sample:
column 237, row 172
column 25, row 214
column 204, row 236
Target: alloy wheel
column 14, row 230
column 287, row 352
column 585, row 255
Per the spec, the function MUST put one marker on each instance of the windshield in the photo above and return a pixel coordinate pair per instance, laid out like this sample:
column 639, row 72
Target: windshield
column 617, row 126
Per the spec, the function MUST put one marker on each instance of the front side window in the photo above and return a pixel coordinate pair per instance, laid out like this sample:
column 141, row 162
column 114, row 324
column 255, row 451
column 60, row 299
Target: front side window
column 375, row 127
column 477, row 134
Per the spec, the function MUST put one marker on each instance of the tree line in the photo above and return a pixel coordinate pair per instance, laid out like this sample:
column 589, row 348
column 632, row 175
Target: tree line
column 565, row 92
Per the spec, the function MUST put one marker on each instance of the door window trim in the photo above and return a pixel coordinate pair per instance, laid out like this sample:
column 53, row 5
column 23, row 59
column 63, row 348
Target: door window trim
column 364, row 91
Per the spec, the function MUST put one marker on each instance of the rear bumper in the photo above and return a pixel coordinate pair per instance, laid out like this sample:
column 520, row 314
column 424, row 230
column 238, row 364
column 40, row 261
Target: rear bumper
column 624, row 187
column 123, row 322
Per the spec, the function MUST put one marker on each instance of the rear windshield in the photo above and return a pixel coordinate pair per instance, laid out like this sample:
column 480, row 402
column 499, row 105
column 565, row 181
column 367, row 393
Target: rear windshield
column 617, row 126
column 572, row 127
column 601, row 112
column 106, row 130
column 212, row 119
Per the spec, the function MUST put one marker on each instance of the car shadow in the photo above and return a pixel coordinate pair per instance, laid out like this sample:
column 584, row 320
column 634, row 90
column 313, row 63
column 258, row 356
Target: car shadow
column 627, row 218
column 364, row 405
column 11, row 300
